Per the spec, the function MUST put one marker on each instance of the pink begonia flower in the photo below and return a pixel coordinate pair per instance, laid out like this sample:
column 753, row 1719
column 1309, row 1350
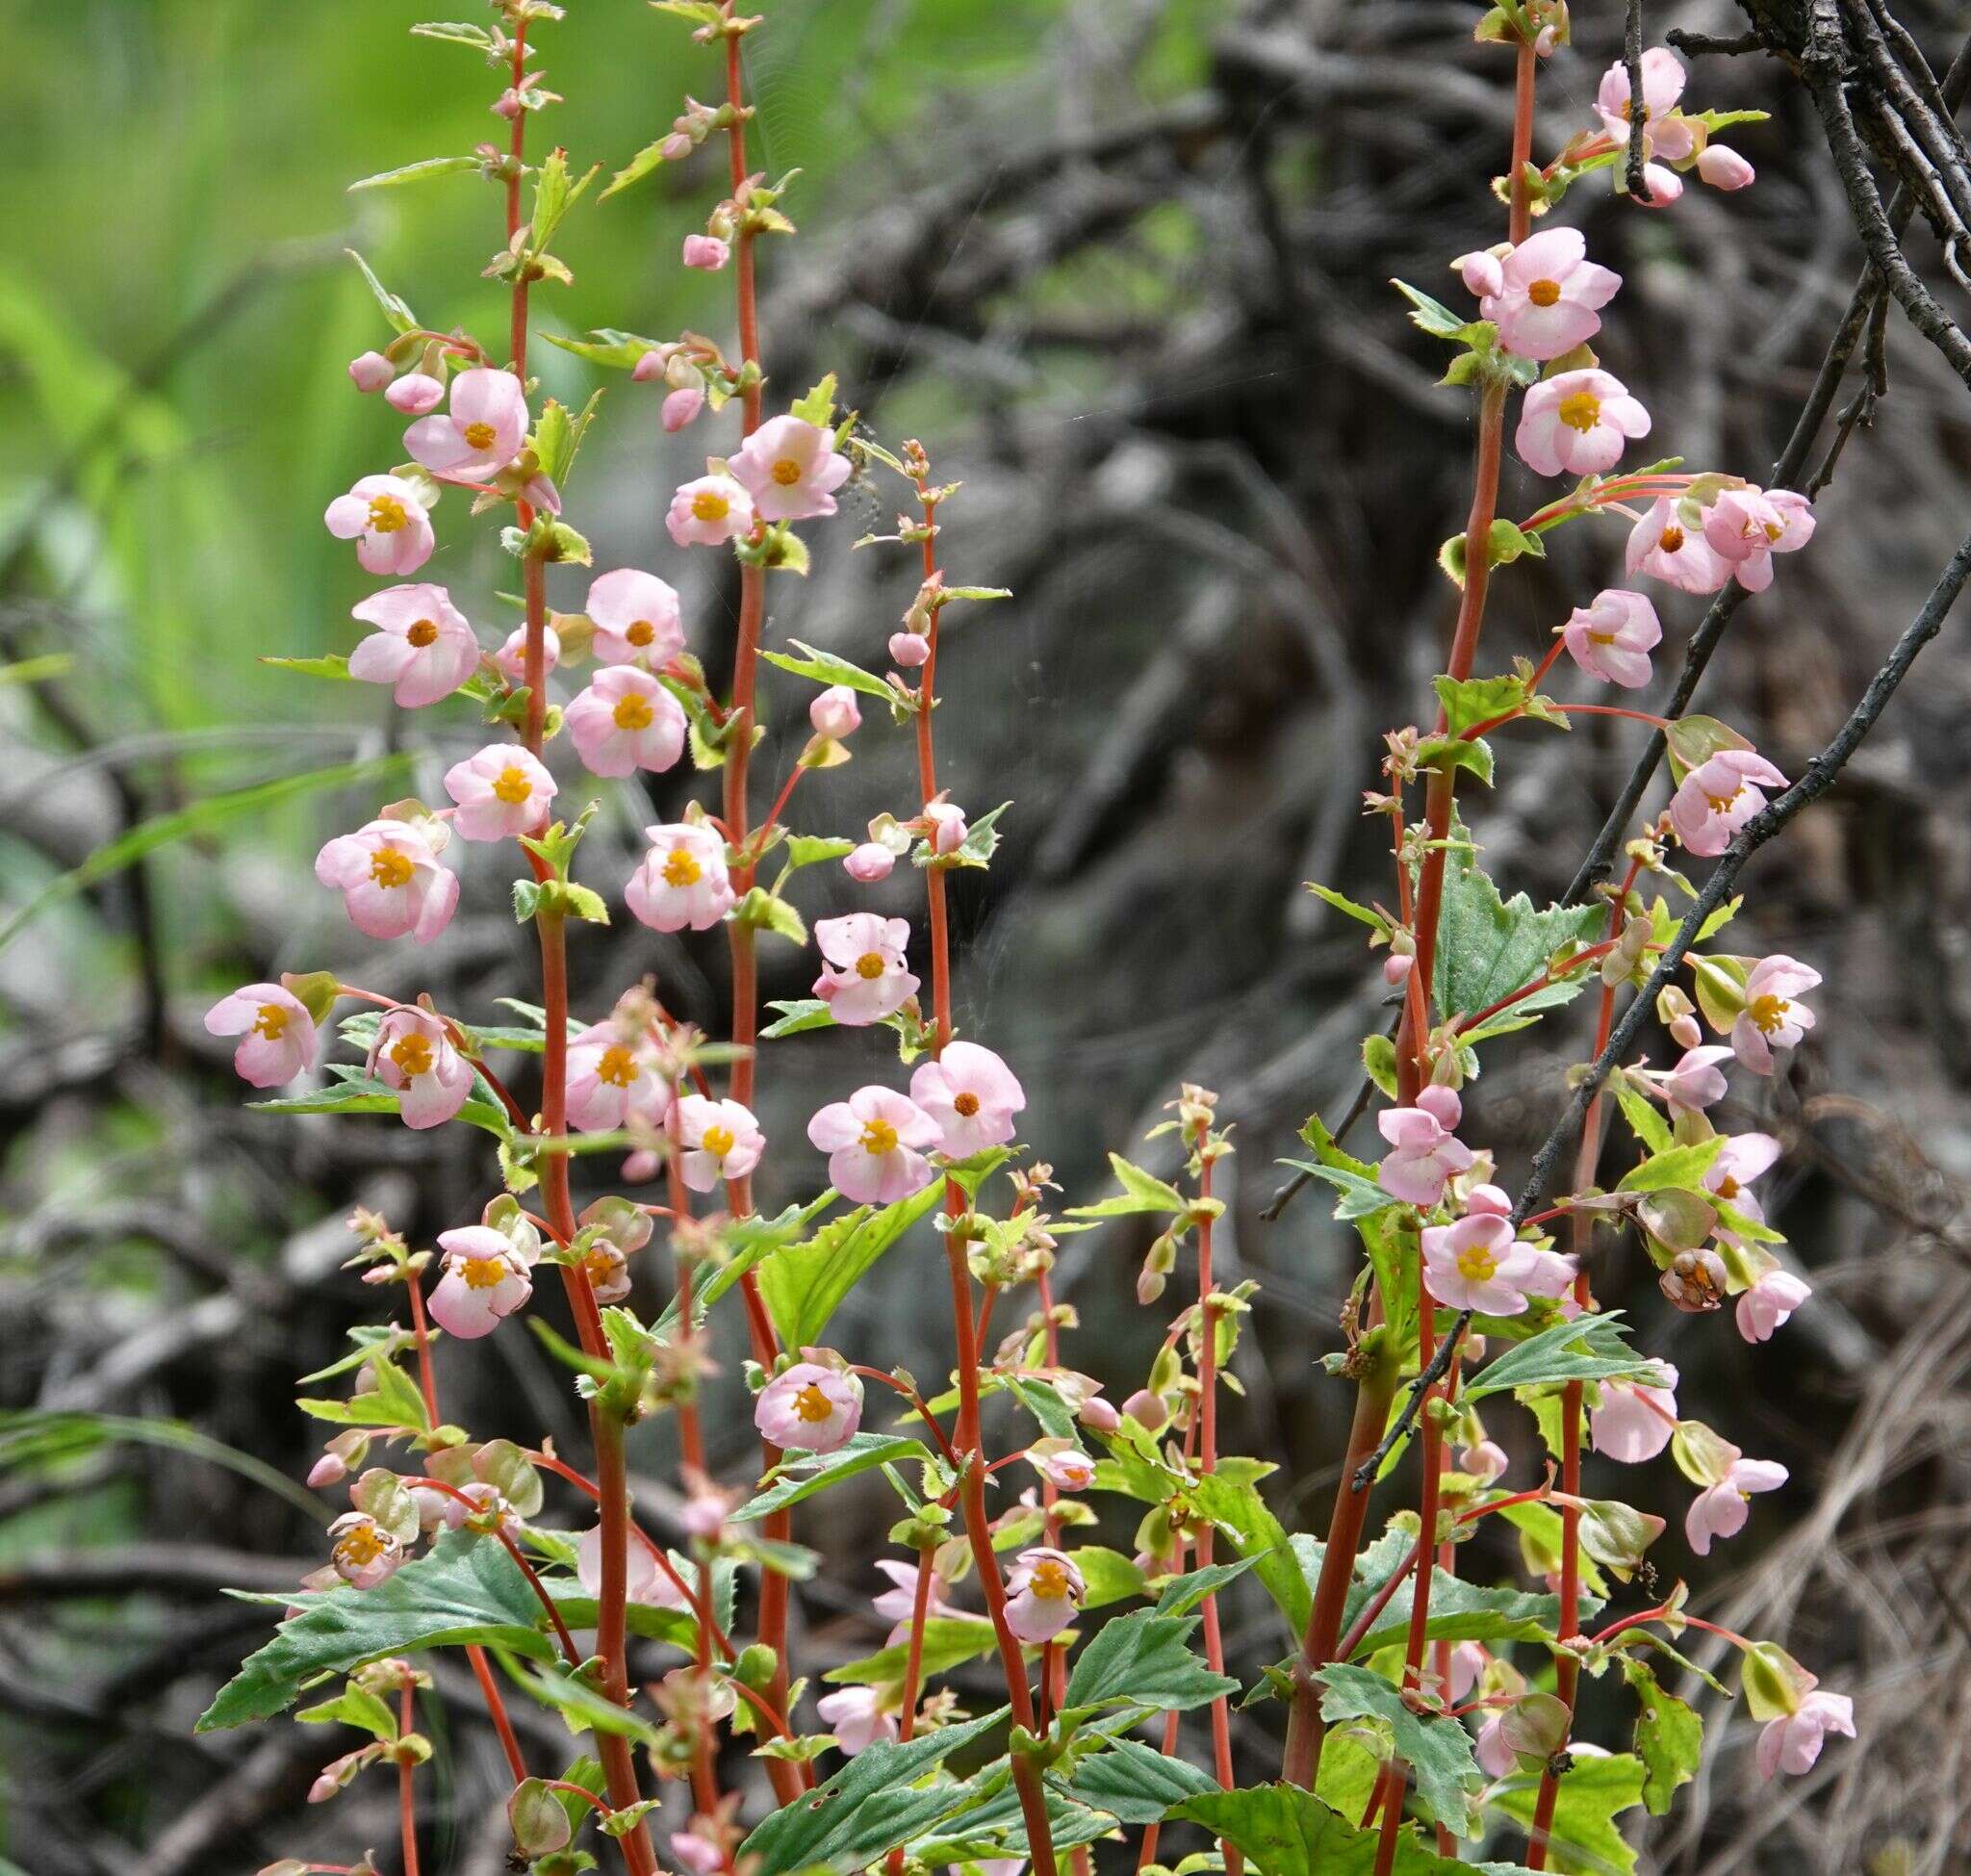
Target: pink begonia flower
column 1478, row 1264
column 1481, row 273
column 706, row 252
column 1424, row 1151
column 1718, row 796
column 1044, row 1590
column 1548, row 294
column 386, row 519
column 1488, row 1198
column 371, row 373
column 1496, row 1758
column 422, row 644
column 910, row 649
column 1576, row 423
column 485, row 1281
column 277, row 1036
column 1792, row 1742
column 698, row 1854
column 1742, row 1159
column 1695, row 1082
column 1722, row 1509
column 1612, row 638
column 1635, row 1420
column 1770, row 1304
column 1468, row 1663
column 682, row 880
column 512, row 656
column 1069, row 1469
column 392, row 882
column 869, row 862
column 876, row 1142
column 624, row 721
column 1771, row 1017
column 1662, row 547
column 1745, row 528
column 607, row 1271
column 720, row 1141
column 710, row 510
column 610, row 1073
column 415, row 1055
column 635, row 616
column 791, row 469
column 414, row 393
column 479, row 434
column 972, row 1095
column 899, row 1605
column 361, row 1551
column 864, row 977
column 1722, row 167
column 948, row 829
column 648, row 1583
column 1485, row 1461
column 835, row 713
column 680, row 406
column 854, row 1715
column 1663, row 80
column 1551, row 1275
column 501, row 792
column 809, row 1408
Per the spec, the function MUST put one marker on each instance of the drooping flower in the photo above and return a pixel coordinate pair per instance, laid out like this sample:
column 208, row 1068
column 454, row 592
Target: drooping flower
column 385, row 516
column 636, row 618
column 648, row 1583
column 1636, row 1419
column 624, row 721
column 1742, row 1159
column 705, row 252
column 1792, row 1742
column 869, row 862
column 1772, row 1017
column 414, row 393
column 897, row 1604
column 1468, row 1663
column 277, row 1034
column 972, row 1095
column 612, row 1073
column 1718, row 796
column 1745, row 528
column 698, row 1853
column 414, row 1054
column 835, row 713
column 512, row 656
column 876, row 1142
column 856, row 1716
column 1424, row 1151
column 391, row 878
column 422, row 644
column 1066, row 1467
column 479, row 434
column 864, row 977
column 1662, row 546
column 1612, row 638
column 791, row 469
column 1478, row 1264
column 720, row 1141
column 501, row 792
column 1550, row 294
column 1484, row 1462
column 1695, row 1082
column 947, row 827
column 810, row 1407
column 1664, row 134
column 1769, row 1304
column 1721, row 1510
column 1495, row 1755
column 1722, row 167
column 708, row 511
column 1044, row 1590
column 1576, row 423
column 682, row 880
column 362, row 1552
column 485, row 1280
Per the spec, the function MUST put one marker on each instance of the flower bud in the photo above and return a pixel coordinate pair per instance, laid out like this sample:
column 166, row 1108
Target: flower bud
column 1481, row 272
column 706, row 252
column 948, row 829
column 1099, row 1415
column 651, row 364
column 834, row 712
column 371, row 373
column 681, row 406
column 1722, row 167
column 1397, row 969
column 869, row 862
column 1147, row 1409
column 910, row 649
column 414, row 393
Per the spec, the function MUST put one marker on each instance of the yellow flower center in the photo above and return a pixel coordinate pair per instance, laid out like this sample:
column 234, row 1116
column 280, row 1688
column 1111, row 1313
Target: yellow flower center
column 386, row 514
column 786, row 471
column 272, row 1021
column 513, row 786
column 599, row 1267
column 1477, row 1265
column 879, row 1137
column 481, row 436
column 681, row 869
column 412, row 1055
column 1671, row 540
column 707, row 504
column 390, row 868
column 1544, row 293
column 618, row 1066
column 1050, row 1580
column 869, row 966
column 717, row 1141
column 633, row 712
column 812, row 1404
column 483, row 1272
column 1772, row 530
column 641, row 632
column 1768, row 1011
column 360, row 1545
column 1726, row 1189
column 1580, row 410
column 966, row 1104
column 423, row 633
column 1600, row 638
column 1719, row 804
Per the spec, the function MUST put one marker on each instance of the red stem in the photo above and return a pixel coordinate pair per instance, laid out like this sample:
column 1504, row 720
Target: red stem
column 1207, row 1463
column 406, row 1793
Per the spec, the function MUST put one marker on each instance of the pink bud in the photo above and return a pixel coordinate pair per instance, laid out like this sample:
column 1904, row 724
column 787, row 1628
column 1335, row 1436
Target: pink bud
column 1147, row 1409
column 948, row 829
column 675, row 147
column 910, row 649
column 1480, row 272
column 1686, row 1031
column 328, row 1470
column 1395, row 967
column 649, row 366
column 706, row 251
column 507, row 105
column 871, row 861
column 1543, row 42
column 1099, row 1415
column 324, row 1789
column 1722, row 167
column 371, row 373
column 681, row 406
column 1661, row 186
column 414, row 393
column 834, row 712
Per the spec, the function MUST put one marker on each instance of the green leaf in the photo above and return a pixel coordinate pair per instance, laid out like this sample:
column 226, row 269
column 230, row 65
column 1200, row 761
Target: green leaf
column 1431, row 315
column 637, row 167
column 605, row 346
column 1670, row 1737
column 395, row 309
column 825, row 668
column 1487, row 947
column 1141, row 1192
column 584, row 1707
column 1135, row 1784
column 1437, row 1750
column 475, row 37
column 797, row 1014
column 1260, row 1539
column 1143, row 1658
column 1388, row 1232
column 1366, row 914
column 355, row 1706
column 1680, row 1169
column 1182, row 1594
column 1360, row 1197
column 948, row 1642
column 1585, row 1839
column 1283, row 1830
column 359, row 1094
column 1644, row 1119
column 805, row 1283
column 332, row 666
column 807, row 849
column 465, row 1590
column 1447, row 754
column 803, row 1478
column 1588, row 1349
column 1459, row 1611
column 1472, row 701
column 431, row 166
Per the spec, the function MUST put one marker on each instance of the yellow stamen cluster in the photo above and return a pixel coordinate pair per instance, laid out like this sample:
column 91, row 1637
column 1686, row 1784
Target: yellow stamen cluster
column 869, row 966
column 1050, row 1580
column 681, row 868
column 1544, row 293
column 512, row 787
column 718, row 1142
column 423, row 633
column 812, row 1404
column 412, row 1055
column 272, row 1021
column 1580, row 410
column 479, row 435
column 709, row 505
column 633, row 712
column 879, row 1137
column 483, row 1272
column 965, row 1104
column 386, row 514
column 786, row 471
column 618, row 1066
column 388, row 867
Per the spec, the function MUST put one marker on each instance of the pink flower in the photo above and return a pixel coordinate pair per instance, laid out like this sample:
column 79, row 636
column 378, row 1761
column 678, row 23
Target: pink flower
column 371, row 373
column 910, row 649
column 414, row 393
column 876, row 1142
column 624, row 721
column 972, row 1095
column 810, row 1408
column 1484, row 1462
column 635, row 616
column 1478, row 1264
column 277, row 1036
column 1612, row 638
column 720, row 1141
column 1722, row 167
column 502, row 790
column 422, row 644
column 1792, row 1742
column 611, row 1074
column 1575, row 423
column 415, row 1055
column 835, row 713
column 682, row 880
column 361, row 1551
column 1548, row 294
column 485, row 1281
column 1425, row 1152
column 512, row 656
column 1636, row 1419
column 1769, row 1303
column 1718, row 796
column 1771, row 1017
column 697, row 1853
column 1662, row 547
column 1468, row 1663
column 1044, row 1590
column 1661, row 186
column 706, row 252
column 899, row 1605
column 864, row 978
column 385, row 517
column 680, row 406
column 1722, row 1509
column 1745, row 528
column 1068, row 1468
column 1697, row 1082
column 390, row 878
column 791, row 469
column 480, row 434
column 1481, row 273
column 1742, row 1159
column 712, row 509
column 869, row 862
column 946, row 822
column 1495, row 1757
column 648, row 1583
column 854, row 1715
column 1663, row 77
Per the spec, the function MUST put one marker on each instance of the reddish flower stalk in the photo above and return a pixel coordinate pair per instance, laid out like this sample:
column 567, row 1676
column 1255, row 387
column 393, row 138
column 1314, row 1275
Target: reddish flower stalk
column 406, row 1790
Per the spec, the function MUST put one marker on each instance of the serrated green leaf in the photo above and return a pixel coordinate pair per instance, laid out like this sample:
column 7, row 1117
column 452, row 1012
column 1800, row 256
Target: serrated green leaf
column 949, row 1641
column 1144, row 1659
column 1585, row 1839
column 1141, row 1192
column 1670, row 1737
column 1487, row 947
column 1283, row 1830
column 804, row 1283
column 1135, row 1784
column 1678, row 1168
column 1437, row 1750
column 801, row 1478
column 1588, row 1349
